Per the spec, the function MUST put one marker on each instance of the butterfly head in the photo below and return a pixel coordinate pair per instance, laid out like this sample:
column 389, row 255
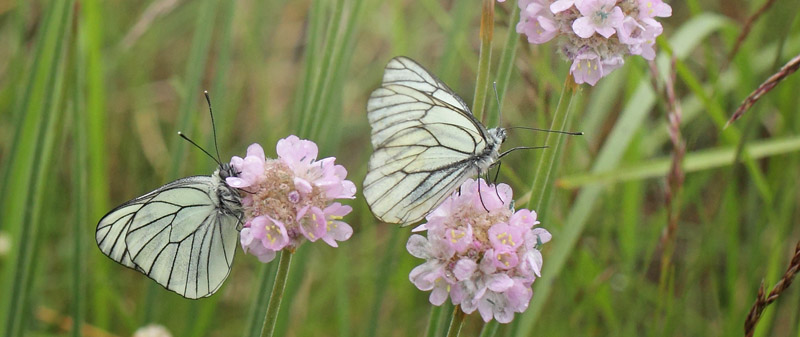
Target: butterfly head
column 226, row 170
column 496, row 138
column 230, row 199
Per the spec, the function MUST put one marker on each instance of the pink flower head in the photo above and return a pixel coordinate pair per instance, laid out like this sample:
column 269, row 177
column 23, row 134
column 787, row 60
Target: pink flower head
column 587, row 68
column 479, row 252
column 537, row 23
column 594, row 35
column 654, row 8
column 290, row 199
column 601, row 16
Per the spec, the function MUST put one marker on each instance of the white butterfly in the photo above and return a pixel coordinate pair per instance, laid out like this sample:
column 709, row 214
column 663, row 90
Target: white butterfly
column 426, row 141
column 183, row 235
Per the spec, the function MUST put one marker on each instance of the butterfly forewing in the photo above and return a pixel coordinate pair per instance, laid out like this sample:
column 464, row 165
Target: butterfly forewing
column 177, row 235
column 425, row 143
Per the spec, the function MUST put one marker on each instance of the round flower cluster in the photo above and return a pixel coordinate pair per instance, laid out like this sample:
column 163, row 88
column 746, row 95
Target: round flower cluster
column 289, row 199
column 479, row 252
column 596, row 33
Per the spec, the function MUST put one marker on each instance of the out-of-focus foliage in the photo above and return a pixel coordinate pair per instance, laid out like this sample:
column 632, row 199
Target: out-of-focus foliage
column 98, row 89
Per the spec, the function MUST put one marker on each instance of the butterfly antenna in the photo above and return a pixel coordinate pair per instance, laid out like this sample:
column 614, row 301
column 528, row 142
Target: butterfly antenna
column 198, row 146
column 499, row 110
column 547, row 130
column 520, row 148
column 213, row 124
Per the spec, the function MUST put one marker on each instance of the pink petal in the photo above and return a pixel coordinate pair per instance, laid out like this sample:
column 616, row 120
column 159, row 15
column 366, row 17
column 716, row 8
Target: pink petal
column 294, row 150
column 499, row 283
column 561, row 5
column 606, row 32
column 583, row 27
column 257, row 151
column 464, row 269
column 302, row 185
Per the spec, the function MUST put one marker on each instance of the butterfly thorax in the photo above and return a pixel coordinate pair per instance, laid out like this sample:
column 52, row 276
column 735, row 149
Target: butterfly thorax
column 495, row 138
column 230, row 201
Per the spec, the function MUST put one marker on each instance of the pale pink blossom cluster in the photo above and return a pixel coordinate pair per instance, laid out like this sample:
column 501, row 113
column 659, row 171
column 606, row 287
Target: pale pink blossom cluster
column 480, row 252
column 595, row 34
column 290, row 199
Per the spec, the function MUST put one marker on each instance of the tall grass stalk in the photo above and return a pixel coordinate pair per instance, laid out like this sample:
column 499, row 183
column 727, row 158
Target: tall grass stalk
column 544, row 176
column 323, row 73
column 90, row 42
column 456, row 322
column 433, row 321
column 277, row 294
column 632, row 117
column 80, row 194
column 506, row 66
column 45, row 84
column 258, row 308
column 484, row 59
column 381, row 281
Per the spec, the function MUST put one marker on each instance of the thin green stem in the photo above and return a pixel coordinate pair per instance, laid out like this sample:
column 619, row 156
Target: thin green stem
column 21, row 273
column 456, row 322
column 259, row 307
column 433, row 321
column 325, row 71
column 484, row 59
column 506, row 64
column 544, row 171
column 277, row 294
column 489, row 329
column 381, row 282
column 80, row 195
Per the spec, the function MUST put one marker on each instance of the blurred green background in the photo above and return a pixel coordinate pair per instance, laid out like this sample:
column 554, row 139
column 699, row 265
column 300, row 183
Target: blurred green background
column 93, row 92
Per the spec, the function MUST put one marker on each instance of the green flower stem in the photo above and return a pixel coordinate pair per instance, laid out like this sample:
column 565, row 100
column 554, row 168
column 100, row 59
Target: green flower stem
column 277, row 294
column 541, row 187
column 506, row 65
column 484, row 59
column 433, row 321
column 456, row 322
column 490, row 329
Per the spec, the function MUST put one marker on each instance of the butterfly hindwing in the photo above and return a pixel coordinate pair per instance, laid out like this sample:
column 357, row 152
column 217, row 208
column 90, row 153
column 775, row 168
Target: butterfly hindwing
column 176, row 235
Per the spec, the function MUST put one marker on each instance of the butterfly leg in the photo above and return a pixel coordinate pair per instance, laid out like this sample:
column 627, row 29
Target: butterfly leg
column 495, row 182
column 480, row 195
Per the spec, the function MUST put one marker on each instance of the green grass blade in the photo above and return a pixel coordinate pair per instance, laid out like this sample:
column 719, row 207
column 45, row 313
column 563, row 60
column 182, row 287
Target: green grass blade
column 80, row 198
column 255, row 319
column 632, row 117
column 694, row 162
column 30, row 163
column 90, row 40
column 507, row 58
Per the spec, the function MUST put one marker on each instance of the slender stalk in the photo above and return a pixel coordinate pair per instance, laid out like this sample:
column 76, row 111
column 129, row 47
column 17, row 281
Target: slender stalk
column 433, row 321
column 484, row 59
column 381, row 281
column 266, row 276
column 544, row 171
column 16, row 298
column 80, row 195
column 277, row 294
column 325, row 71
column 489, row 329
column 506, row 64
column 456, row 322
column 91, row 41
